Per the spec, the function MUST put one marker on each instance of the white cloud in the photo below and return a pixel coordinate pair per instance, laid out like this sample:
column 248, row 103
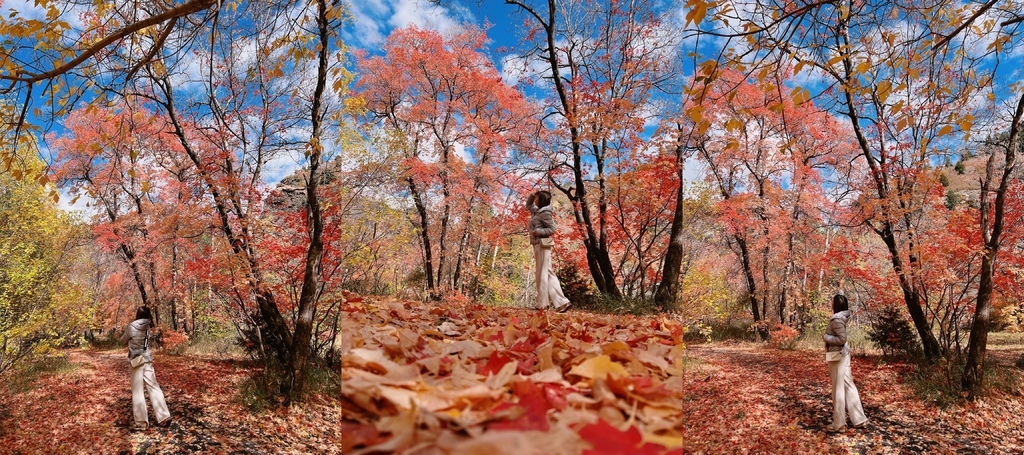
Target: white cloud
column 517, row 69
column 84, row 205
column 422, row 14
column 28, row 9
column 281, row 166
column 374, row 19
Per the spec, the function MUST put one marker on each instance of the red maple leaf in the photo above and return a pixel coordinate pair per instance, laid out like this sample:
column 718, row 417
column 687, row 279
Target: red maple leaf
column 608, row 440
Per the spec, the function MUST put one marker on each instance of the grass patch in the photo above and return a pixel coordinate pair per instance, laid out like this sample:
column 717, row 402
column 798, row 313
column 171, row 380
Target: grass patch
column 209, row 346
column 610, row 305
column 1006, row 339
column 1002, row 380
column 939, row 383
column 261, row 391
column 23, row 378
column 105, row 342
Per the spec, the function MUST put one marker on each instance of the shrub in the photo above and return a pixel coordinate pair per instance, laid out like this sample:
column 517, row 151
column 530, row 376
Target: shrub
column 575, row 287
column 172, row 341
column 783, row 336
column 778, row 335
column 891, row 333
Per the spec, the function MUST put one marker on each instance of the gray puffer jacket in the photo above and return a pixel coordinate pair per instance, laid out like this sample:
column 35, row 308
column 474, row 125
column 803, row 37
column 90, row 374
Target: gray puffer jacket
column 835, row 335
column 542, row 224
column 135, row 336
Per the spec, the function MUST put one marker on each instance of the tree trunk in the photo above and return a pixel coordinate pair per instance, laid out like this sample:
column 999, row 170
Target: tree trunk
column 974, row 378
column 428, row 255
column 301, row 348
column 748, row 275
column 668, row 288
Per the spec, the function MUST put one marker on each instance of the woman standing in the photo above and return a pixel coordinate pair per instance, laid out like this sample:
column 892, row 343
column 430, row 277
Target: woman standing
column 542, row 227
column 845, row 398
column 137, row 337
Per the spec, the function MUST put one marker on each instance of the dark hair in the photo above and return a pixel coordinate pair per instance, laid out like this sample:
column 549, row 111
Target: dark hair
column 543, row 198
column 143, row 313
column 839, row 303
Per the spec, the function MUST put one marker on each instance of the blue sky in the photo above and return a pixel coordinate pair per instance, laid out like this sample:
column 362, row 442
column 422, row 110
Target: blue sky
column 373, row 20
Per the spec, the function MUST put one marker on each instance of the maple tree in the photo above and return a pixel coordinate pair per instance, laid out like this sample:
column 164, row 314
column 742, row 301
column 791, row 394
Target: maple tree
column 764, row 152
column 252, row 114
column 51, row 56
column 605, row 65
column 108, row 156
column 433, row 97
column 894, row 67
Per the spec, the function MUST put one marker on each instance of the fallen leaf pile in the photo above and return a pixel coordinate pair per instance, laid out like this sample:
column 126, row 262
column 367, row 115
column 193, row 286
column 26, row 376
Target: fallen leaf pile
column 88, row 410
column 470, row 379
column 753, row 399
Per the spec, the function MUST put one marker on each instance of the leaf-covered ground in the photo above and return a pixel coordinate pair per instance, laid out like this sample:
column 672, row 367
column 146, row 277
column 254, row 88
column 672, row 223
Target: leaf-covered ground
column 457, row 378
column 752, row 399
column 468, row 379
column 88, row 410
column 453, row 378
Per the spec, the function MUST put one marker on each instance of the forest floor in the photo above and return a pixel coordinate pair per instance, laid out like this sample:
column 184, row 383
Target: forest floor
column 746, row 398
column 85, row 407
column 468, row 379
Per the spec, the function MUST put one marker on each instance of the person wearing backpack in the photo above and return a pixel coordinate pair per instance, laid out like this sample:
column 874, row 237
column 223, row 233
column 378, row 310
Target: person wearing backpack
column 143, row 374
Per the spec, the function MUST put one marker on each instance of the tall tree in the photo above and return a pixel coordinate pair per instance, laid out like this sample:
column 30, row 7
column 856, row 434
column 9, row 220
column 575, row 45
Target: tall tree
column 433, row 97
column 762, row 151
column 899, row 97
column 606, row 63
column 42, row 305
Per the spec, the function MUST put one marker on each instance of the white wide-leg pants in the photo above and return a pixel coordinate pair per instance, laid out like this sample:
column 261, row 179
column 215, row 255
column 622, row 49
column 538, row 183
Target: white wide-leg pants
column 146, row 375
column 845, row 397
column 549, row 289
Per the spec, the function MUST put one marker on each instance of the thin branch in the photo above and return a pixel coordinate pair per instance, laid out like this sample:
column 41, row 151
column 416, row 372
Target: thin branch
column 183, row 10
column 945, row 40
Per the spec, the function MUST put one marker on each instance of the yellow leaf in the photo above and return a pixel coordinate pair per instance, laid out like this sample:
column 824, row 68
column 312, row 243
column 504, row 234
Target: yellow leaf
column 599, row 367
column 670, row 442
column 698, row 10
column 615, row 346
column 696, row 113
column 897, row 108
column 800, row 95
column 884, row 89
column 836, row 59
column 863, row 67
column 945, row 130
column 901, row 124
column 965, row 125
